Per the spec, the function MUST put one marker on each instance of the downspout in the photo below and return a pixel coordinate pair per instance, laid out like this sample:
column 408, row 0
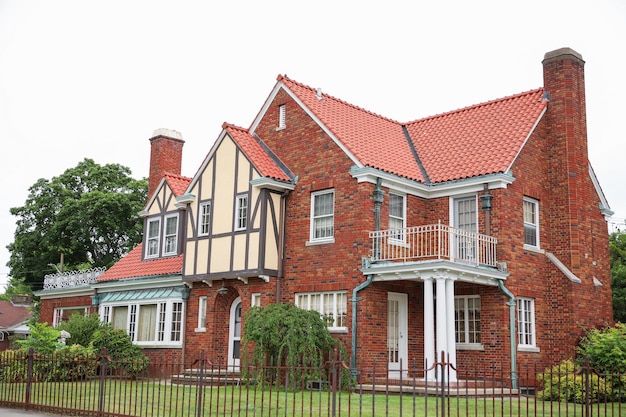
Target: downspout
column 378, row 201
column 511, row 304
column 281, row 244
column 486, row 205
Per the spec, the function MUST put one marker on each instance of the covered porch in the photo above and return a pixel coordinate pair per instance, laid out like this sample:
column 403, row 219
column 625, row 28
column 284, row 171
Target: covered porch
column 439, row 256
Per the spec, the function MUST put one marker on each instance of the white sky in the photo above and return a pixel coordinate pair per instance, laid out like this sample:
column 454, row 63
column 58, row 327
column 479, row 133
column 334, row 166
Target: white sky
column 93, row 79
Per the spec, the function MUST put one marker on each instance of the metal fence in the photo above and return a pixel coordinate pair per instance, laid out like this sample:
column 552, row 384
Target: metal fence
column 100, row 386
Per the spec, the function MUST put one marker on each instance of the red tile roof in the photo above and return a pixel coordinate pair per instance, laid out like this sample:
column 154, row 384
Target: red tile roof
column 258, row 154
column 177, row 183
column 13, row 315
column 131, row 266
column 477, row 140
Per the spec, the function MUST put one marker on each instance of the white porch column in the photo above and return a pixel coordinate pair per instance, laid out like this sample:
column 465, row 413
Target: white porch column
column 451, row 350
column 442, row 335
column 429, row 328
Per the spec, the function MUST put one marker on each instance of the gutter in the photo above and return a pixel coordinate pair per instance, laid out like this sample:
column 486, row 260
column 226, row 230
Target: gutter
column 378, row 201
column 511, row 304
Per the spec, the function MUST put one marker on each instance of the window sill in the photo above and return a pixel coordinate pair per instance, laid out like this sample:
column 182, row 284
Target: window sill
column 532, row 349
column 470, row 346
column 338, row 330
column 533, row 249
column 280, row 128
column 320, row 242
column 160, row 346
column 200, row 330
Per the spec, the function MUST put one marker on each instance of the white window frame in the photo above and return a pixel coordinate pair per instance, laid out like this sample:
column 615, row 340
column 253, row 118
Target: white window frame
column 241, row 211
column 282, row 117
column 526, row 332
column 168, row 321
column 255, row 299
column 532, row 224
column 170, row 239
column 204, row 219
column 331, row 304
column 153, row 241
column 202, row 309
column 59, row 313
column 317, row 217
column 397, row 221
column 461, row 302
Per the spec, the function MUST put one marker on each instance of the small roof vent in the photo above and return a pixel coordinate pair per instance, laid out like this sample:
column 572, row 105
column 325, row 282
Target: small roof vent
column 318, row 94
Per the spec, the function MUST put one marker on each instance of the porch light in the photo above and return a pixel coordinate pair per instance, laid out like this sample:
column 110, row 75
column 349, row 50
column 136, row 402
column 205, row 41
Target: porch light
column 223, row 290
column 485, row 201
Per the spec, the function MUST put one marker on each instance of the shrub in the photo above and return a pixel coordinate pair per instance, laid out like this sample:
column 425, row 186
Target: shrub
column 81, row 328
column 124, row 354
column 605, row 348
column 42, row 338
column 563, row 383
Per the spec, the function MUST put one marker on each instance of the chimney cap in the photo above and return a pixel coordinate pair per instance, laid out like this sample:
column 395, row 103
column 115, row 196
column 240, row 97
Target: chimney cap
column 167, row 133
column 558, row 53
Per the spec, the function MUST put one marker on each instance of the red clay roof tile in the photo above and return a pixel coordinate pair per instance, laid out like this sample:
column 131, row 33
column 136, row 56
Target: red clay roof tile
column 260, row 156
column 132, row 266
column 177, row 183
column 477, row 140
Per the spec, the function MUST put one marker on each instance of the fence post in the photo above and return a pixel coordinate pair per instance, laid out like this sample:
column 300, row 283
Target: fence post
column 335, row 363
column 200, row 386
column 442, row 364
column 29, row 375
column 104, row 360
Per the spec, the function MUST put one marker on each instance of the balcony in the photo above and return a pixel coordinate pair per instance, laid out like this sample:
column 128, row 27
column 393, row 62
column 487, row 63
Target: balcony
column 434, row 242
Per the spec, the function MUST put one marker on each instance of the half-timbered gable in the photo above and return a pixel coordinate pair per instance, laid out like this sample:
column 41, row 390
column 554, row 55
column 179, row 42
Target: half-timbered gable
column 234, row 222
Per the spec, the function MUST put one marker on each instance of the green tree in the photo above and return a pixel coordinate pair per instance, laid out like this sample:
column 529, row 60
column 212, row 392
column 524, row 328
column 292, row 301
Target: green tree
column 88, row 214
column 617, row 252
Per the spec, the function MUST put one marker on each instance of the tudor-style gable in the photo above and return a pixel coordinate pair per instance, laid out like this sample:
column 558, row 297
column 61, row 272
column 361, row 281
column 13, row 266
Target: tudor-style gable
column 235, row 211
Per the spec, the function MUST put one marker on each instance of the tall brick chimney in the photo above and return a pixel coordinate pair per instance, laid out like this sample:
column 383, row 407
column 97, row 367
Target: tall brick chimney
column 564, row 81
column 166, row 155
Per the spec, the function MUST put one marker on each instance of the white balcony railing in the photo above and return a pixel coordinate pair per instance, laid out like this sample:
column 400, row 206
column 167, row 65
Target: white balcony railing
column 433, row 242
column 72, row 278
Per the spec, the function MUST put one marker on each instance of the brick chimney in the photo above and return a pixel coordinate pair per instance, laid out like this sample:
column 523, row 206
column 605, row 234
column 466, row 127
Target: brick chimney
column 564, row 81
column 166, row 155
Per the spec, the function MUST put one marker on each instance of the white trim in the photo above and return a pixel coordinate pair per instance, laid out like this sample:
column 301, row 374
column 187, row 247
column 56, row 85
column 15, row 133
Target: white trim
column 147, row 253
column 233, row 362
column 325, row 239
column 535, row 204
column 282, row 117
column 202, row 309
column 529, row 308
column 201, row 216
column 174, row 235
column 238, row 207
column 565, row 270
column 340, row 306
column 466, row 321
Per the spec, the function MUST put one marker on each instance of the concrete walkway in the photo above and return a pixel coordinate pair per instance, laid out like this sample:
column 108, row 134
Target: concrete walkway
column 16, row 412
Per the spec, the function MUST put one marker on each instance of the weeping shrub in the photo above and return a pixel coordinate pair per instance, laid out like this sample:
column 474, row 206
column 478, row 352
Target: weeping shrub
column 283, row 335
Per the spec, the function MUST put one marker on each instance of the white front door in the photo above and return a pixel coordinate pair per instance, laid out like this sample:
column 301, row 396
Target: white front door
column 397, row 349
column 234, row 335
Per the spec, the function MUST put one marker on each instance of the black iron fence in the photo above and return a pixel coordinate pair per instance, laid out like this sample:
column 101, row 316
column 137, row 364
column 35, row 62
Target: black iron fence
column 104, row 387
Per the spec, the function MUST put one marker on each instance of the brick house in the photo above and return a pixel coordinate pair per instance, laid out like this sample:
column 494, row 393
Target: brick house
column 480, row 232
column 14, row 317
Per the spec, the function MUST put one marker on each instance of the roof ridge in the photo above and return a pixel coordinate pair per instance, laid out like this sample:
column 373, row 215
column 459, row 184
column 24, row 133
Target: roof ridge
column 354, row 106
column 477, row 105
column 171, row 174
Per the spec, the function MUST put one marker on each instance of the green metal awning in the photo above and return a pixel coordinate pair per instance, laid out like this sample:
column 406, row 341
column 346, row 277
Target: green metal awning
column 147, row 294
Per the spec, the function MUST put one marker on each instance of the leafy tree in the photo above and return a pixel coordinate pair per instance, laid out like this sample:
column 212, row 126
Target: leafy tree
column 16, row 286
column 88, row 214
column 617, row 251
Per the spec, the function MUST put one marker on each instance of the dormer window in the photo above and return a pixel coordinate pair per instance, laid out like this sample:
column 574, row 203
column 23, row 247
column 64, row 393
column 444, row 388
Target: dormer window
column 282, row 114
column 152, row 241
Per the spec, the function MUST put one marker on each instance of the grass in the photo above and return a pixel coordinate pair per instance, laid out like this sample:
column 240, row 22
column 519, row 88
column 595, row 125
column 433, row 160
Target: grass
column 152, row 398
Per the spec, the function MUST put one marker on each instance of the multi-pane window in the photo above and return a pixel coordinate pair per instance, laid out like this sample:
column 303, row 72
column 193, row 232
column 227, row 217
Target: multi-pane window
column 152, row 241
column 332, row 306
column 202, row 303
column 204, row 219
column 322, row 215
column 466, row 221
column 170, row 241
column 467, row 319
column 241, row 212
column 62, row 314
column 526, row 322
column 147, row 323
column 531, row 222
column 397, row 215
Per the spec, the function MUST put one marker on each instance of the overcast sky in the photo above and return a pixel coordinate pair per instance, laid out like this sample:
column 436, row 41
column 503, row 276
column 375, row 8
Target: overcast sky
column 94, row 79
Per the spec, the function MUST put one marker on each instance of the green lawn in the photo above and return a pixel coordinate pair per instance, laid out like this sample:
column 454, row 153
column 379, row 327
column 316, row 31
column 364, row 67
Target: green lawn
column 159, row 399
